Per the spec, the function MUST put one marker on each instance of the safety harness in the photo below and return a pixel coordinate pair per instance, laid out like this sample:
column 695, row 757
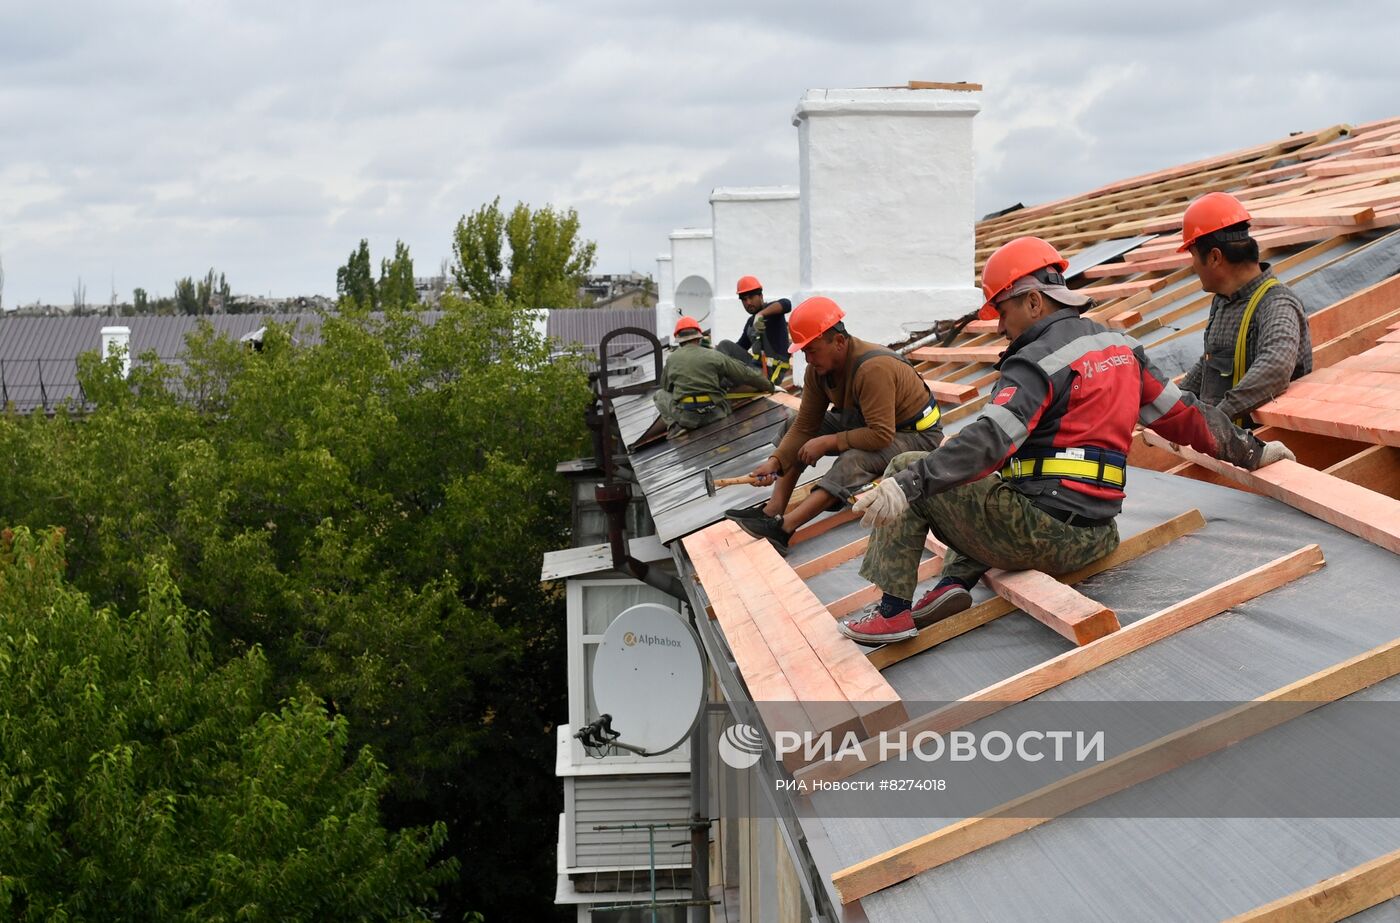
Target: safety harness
column 925, row 418
column 1087, row 465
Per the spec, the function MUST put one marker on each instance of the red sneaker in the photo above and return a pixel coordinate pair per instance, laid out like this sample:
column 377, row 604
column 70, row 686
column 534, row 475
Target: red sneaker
column 878, row 628
column 939, row 603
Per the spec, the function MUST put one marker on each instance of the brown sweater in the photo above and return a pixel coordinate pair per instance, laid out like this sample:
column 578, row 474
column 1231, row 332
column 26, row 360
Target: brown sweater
column 886, row 391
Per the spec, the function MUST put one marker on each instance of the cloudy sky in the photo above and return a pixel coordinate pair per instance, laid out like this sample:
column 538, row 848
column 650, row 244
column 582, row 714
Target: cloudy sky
column 142, row 141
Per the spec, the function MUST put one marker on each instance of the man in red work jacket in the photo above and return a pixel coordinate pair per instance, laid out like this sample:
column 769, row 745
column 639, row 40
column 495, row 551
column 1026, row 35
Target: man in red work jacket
column 1036, row 480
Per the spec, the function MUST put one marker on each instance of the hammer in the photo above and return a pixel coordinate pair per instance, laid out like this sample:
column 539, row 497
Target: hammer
column 711, row 482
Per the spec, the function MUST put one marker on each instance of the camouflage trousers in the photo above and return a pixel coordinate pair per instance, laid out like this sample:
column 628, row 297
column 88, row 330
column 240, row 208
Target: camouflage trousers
column 686, row 415
column 985, row 524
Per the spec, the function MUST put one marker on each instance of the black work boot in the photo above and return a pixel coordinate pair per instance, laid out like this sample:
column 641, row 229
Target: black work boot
column 769, row 527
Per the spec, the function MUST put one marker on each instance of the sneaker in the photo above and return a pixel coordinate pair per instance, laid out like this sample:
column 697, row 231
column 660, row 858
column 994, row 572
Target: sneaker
column 769, row 527
column 875, row 627
column 939, row 603
column 748, row 512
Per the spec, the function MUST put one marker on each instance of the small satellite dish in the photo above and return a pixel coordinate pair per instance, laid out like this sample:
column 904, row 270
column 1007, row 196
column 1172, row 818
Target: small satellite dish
column 649, row 678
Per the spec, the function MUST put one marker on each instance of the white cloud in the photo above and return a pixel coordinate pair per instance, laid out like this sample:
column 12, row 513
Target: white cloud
column 154, row 138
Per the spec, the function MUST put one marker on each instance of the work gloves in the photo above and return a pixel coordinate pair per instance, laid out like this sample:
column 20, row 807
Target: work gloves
column 1275, row 451
column 759, row 323
column 882, row 505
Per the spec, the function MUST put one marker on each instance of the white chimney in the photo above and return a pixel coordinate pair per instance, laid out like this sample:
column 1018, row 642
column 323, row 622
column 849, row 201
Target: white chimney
column 887, row 206
column 114, row 339
column 693, row 266
column 665, row 296
column 755, row 235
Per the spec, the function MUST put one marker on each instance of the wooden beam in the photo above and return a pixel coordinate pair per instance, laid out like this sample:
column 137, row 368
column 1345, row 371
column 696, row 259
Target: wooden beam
column 1058, row 606
column 826, row 562
column 934, row 85
column 822, row 526
column 982, row 613
column 1376, row 468
column 965, row 353
column 1336, row 898
column 1354, row 341
column 1073, row 663
column 951, row 392
column 1118, row 774
column 1364, row 513
column 1345, row 315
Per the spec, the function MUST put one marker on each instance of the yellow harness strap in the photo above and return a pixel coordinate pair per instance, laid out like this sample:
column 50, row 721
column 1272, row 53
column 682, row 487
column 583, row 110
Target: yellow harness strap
column 1243, row 335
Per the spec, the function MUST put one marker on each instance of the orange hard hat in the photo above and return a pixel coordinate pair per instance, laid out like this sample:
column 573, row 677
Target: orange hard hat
column 811, row 319
column 748, row 284
column 1014, row 260
column 1208, row 214
column 687, row 323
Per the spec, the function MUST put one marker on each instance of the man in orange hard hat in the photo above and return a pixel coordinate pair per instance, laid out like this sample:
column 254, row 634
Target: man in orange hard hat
column 1257, row 338
column 1035, row 481
column 764, row 344
column 879, row 408
column 697, row 381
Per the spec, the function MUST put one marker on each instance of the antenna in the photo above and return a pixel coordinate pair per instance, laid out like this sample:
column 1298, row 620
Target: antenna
column 648, row 683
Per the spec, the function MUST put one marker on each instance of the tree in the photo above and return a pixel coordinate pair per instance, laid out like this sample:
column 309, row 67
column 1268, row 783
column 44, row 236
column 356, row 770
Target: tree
column 140, row 301
column 79, row 296
column 186, row 296
column 140, row 780
column 548, row 261
column 370, row 512
column 396, row 287
column 212, row 293
column 354, row 282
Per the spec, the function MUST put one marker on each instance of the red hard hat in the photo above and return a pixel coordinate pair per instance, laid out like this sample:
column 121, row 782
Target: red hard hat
column 811, row 319
column 686, row 323
column 1012, row 261
column 1208, row 214
column 748, row 284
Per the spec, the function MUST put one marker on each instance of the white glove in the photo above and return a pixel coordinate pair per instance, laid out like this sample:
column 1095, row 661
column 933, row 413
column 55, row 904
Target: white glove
column 1275, row 451
column 883, row 505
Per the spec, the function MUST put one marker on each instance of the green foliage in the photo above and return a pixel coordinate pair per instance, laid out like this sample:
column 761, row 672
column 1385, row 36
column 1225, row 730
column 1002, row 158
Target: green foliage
column 370, row 513
column 354, row 282
column 140, row 301
column 186, row 296
column 548, row 261
column 141, row 781
column 396, row 279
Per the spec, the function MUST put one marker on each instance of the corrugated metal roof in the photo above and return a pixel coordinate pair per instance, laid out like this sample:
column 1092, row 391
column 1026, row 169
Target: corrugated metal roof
column 38, row 355
column 586, row 327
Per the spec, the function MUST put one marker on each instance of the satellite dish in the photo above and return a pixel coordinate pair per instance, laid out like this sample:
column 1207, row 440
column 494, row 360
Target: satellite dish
column 649, row 678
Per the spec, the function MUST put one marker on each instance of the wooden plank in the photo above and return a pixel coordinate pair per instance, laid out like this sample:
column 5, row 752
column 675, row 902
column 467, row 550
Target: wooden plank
column 934, row 85
column 1058, row 606
column 1118, row 774
column 965, row 353
column 874, row 701
column 1056, row 671
column 1376, row 468
column 1344, row 316
column 1336, row 898
column 1312, row 450
column 826, row 562
column 767, row 684
column 982, row 613
column 1362, row 424
column 951, row 392
column 1353, row 342
column 819, row 692
column 1339, row 167
column 822, row 526
column 1364, row 513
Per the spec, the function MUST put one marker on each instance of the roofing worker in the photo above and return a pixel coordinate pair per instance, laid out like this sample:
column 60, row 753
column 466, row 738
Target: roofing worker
column 880, row 407
column 697, row 379
column 1257, row 338
column 764, row 343
column 1036, row 480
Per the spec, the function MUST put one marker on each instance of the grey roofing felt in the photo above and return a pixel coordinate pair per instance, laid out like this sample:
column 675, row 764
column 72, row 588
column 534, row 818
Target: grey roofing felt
column 586, row 327
column 1112, row 868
